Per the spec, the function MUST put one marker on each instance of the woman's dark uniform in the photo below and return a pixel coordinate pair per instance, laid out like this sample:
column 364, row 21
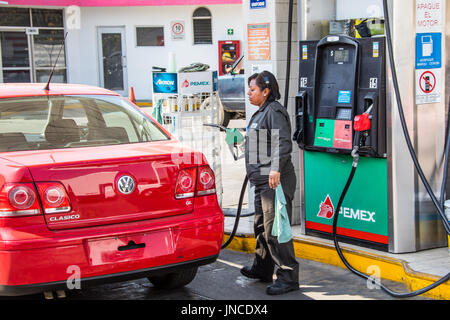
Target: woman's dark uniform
column 268, row 148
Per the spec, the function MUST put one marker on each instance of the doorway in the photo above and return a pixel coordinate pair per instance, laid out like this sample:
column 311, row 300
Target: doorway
column 112, row 59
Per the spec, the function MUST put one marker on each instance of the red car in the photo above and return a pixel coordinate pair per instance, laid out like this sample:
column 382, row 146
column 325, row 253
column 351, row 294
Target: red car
column 93, row 190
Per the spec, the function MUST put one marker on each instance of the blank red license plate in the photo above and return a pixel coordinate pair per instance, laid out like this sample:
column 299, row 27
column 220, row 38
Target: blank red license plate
column 129, row 247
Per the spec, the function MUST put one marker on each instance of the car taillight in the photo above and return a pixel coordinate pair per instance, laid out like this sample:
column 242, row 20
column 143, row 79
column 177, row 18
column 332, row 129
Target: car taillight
column 18, row 199
column 195, row 182
column 54, row 197
column 206, row 181
column 186, row 181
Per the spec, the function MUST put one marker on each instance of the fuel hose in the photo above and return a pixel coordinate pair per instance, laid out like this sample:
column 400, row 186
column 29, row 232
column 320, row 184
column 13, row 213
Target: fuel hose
column 438, row 205
column 238, row 214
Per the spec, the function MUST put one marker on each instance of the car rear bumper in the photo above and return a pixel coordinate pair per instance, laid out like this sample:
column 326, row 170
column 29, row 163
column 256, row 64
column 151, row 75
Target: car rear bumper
column 19, row 290
column 95, row 255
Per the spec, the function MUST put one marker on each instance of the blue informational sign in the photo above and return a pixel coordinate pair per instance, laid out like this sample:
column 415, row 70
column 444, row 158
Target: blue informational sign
column 165, row 82
column 428, row 50
column 344, row 96
column 257, row 4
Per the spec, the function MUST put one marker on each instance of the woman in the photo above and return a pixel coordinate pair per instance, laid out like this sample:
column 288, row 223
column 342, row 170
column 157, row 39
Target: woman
column 268, row 163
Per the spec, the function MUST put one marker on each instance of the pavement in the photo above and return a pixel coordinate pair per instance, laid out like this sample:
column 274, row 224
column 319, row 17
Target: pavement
column 415, row 270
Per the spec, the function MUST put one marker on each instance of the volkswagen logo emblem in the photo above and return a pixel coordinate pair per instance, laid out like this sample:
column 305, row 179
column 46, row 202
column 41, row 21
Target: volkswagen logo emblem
column 126, row 184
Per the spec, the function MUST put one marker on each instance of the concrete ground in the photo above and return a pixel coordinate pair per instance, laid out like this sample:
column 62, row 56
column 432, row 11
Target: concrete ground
column 223, row 281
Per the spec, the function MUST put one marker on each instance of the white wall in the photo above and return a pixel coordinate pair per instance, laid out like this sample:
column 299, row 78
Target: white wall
column 82, row 44
column 276, row 13
column 350, row 9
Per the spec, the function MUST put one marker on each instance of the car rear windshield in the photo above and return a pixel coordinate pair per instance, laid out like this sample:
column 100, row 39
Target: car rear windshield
column 56, row 122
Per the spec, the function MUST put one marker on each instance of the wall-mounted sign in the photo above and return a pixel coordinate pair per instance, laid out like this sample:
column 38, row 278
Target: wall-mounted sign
column 428, row 16
column 429, row 27
column 428, row 50
column 258, row 36
column 164, row 82
column 257, row 4
column 428, row 86
column 177, row 30
column 197, row 82
column 31, row 31
column 257, row 68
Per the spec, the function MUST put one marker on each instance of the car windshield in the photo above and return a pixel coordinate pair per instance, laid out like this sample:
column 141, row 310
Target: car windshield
column 71, row 121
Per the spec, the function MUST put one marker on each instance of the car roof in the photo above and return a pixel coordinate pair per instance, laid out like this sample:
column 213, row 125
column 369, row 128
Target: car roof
column 10, row 90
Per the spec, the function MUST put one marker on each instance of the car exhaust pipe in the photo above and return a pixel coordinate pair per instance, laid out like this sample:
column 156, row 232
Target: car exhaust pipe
column 48, row 295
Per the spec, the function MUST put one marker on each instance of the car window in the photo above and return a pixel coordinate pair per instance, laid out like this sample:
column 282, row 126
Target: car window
column 37, row 123
column 73, row 109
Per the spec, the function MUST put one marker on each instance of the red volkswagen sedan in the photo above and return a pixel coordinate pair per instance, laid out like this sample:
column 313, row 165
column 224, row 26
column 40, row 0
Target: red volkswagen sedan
column 93, row 190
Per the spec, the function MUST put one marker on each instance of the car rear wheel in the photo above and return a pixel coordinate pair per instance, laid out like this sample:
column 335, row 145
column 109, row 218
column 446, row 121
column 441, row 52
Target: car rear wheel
column 175, row 279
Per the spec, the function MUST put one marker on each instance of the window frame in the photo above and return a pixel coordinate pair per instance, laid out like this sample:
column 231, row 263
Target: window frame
column 202, row 18
column 148, row 26
column 32, row 68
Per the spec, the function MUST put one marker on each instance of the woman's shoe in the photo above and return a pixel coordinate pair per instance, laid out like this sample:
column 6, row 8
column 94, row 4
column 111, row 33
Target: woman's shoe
column 281, row 288
column 250, row 273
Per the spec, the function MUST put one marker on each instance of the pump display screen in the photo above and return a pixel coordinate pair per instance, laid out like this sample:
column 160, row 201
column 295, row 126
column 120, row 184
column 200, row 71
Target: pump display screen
column 343, row 114
column 341, row 56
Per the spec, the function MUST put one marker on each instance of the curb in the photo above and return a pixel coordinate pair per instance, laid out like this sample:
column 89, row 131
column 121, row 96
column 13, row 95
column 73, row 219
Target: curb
column 389, row 268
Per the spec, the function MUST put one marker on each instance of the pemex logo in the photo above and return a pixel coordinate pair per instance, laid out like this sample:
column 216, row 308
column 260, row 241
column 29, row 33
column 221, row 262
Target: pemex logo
column 326, row 208
column 185, row 84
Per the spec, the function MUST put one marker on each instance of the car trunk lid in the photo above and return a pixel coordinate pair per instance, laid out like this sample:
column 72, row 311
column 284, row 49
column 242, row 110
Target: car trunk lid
column 113, row 184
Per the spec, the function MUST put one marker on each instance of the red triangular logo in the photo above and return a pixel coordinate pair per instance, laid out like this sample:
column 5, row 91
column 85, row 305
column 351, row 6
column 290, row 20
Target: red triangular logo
column 185, row 84
column 326, row 208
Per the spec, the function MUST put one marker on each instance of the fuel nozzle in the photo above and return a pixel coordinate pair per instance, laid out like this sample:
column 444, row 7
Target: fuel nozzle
column 362, row 121
column 361, row 124
column 233, row 138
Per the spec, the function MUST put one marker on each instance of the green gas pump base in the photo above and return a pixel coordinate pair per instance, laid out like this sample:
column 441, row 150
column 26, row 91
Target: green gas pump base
column 364, row 211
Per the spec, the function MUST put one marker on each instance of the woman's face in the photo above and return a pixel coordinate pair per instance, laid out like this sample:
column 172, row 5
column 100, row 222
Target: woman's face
column 257, row 96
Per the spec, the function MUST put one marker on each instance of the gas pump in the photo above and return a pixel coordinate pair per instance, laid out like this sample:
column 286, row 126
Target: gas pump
column 341, row 77
column 338, row 95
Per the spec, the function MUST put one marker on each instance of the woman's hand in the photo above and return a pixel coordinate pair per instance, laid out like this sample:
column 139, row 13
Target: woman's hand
column 274, row 179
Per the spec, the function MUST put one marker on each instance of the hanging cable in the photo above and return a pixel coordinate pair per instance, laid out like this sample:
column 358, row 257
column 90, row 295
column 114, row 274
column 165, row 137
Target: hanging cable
column 238, row 214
